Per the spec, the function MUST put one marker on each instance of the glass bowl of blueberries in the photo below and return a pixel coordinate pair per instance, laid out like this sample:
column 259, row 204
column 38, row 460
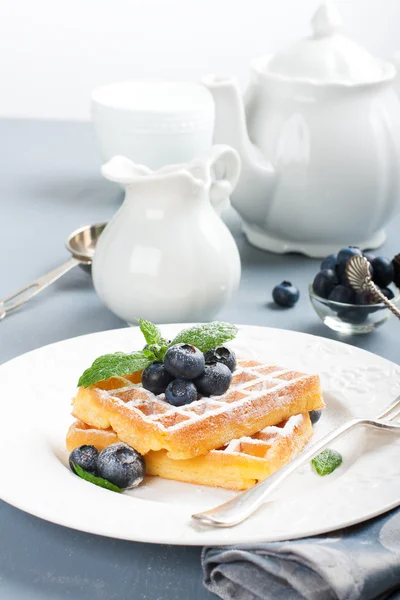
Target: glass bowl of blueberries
column 339, row 306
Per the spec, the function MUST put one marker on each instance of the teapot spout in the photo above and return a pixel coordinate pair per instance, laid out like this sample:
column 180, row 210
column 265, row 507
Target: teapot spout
column 231, row 128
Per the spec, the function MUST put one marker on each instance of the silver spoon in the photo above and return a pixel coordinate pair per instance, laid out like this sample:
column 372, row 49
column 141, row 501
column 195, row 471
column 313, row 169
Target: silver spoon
column 81, row 243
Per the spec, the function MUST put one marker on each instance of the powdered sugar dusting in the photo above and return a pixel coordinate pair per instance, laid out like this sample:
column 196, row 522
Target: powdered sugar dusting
column 266, row 437
column 251, row 380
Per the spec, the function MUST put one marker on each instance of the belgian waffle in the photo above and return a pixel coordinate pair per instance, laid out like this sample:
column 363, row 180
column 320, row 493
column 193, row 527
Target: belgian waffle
column 236, row 466
column 260, row 395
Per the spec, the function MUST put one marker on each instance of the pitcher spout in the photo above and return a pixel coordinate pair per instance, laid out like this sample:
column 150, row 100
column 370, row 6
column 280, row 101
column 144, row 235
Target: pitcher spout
column 122, row 170
column 231, row 128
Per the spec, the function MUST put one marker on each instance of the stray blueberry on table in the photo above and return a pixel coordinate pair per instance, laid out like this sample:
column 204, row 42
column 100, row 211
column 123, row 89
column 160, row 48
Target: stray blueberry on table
column 184, row 360
column 215, row 380
column 86, row 457
column 285, row 294
column 156, row 378
column 180, row 392
column 122, row 465
column 226, row 356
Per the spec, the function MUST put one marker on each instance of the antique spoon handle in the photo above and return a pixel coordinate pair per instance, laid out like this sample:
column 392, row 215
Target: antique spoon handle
column 377, row 292
column 358, row 272
column 29, row 291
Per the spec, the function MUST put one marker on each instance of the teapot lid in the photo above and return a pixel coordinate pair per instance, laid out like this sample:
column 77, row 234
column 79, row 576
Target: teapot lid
column 328, row 56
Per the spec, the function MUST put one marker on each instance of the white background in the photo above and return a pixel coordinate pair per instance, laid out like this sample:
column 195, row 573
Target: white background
column 53, row 52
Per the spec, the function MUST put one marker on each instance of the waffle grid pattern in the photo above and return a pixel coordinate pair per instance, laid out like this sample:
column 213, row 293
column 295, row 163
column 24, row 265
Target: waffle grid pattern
column 261, row 443
column 250, row 380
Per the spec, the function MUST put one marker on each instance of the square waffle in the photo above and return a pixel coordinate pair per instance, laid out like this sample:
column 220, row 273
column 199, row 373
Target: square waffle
column 260, row 395
column 237, row 466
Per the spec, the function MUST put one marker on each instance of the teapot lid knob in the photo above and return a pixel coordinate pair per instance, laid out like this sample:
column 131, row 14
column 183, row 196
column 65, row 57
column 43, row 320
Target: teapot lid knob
column 326, row 20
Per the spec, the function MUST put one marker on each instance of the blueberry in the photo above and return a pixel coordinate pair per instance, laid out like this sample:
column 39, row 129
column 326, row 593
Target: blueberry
column 383, row 271
column 315, row 416
column 343, row 280
column 155, row 378
column 215, row 380
column 365, row 297
column 329, row 262
column 396, row 270
column 122, row 465
column 285, row 294
column 222, row 355
column 388, row 293
column 85, row 457
column 369, row 256
column 324, row 282
column 354, row 316
column 184, row 360
column 180, row 392
column 343, row 256
column 342, row 294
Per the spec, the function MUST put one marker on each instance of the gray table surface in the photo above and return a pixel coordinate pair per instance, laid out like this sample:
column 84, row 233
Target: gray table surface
column 50, row 184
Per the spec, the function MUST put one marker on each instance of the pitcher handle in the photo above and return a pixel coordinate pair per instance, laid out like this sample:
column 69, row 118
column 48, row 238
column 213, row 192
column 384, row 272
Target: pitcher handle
column 225, row 162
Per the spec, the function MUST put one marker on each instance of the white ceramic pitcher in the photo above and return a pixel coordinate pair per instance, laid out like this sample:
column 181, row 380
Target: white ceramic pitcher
column 166, row 255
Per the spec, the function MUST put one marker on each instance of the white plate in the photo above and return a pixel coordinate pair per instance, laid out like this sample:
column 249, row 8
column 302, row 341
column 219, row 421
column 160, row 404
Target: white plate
column 35, row 392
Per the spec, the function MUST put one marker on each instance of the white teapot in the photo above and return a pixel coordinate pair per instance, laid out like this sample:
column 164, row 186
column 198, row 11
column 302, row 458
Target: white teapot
column 319, row 140
column 166, row 255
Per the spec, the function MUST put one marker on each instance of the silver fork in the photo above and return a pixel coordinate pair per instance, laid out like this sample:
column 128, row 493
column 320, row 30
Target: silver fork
column 243, row 505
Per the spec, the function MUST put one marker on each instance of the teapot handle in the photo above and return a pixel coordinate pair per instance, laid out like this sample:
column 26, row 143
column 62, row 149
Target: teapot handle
column 225, row 162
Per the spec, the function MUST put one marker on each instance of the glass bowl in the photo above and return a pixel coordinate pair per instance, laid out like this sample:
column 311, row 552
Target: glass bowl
column 351, row 318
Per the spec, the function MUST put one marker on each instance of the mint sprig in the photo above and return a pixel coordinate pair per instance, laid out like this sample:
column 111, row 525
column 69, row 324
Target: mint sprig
column 326, row 462
column 151, row 333
column 104, row 483
column 204, row 337
column 155, row 342
column 110, row 365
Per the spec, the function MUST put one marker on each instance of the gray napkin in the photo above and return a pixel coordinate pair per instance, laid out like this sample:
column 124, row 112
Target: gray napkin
column 359, row 562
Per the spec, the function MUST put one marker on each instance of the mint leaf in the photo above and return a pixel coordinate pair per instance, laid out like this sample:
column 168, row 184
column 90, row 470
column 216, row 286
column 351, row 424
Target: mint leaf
column 206, row 336
column 104, row 483
column 162, row 350
column 151, row 333
column 147, row 353
column 326, row 462
column 119, row 363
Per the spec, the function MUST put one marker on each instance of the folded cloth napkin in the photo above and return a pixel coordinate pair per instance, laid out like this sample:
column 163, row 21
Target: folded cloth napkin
column 359, row 562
